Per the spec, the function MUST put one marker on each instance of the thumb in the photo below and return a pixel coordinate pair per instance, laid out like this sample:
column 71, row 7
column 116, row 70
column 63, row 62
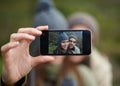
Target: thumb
column 41, row 59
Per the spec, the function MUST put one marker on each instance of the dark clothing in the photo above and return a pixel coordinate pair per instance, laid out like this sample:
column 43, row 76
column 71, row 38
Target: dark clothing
column 61, row 51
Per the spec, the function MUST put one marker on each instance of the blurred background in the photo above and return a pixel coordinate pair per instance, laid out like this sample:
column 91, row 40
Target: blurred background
column 19, row 13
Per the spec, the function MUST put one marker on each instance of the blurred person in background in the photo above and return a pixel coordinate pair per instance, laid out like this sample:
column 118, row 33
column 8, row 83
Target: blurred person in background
column 43, row 9
column 75, row 73
column 97, row 62
column 46, row 14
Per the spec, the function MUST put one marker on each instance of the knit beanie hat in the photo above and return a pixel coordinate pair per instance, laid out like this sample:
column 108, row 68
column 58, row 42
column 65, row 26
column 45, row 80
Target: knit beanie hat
column 73, row 36
column 47, row 14
column 84, row 19
column 62, row 36
column 43, row 5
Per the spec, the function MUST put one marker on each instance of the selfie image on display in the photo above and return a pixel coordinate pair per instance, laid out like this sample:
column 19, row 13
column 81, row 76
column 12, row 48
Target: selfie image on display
column 65, row 42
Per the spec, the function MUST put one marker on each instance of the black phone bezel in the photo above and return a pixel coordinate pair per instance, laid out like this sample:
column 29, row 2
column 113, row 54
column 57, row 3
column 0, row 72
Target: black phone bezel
column 86, row 50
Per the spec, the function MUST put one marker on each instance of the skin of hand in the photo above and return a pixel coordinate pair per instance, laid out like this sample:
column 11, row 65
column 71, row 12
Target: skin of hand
column 17, row 62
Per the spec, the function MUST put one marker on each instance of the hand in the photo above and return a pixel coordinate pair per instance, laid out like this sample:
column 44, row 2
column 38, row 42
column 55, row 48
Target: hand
column 17, row 62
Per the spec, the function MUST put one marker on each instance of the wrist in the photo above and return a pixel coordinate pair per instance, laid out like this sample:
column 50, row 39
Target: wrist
column 5, row 82
column 7, row 77
column 21, row 82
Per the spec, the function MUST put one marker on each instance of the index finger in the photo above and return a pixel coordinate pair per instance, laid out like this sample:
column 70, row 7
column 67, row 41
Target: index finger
column 42, row 27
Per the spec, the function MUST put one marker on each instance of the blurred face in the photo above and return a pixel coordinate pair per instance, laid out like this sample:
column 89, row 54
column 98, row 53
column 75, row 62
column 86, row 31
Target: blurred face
column 72, row 43
column 64, row 44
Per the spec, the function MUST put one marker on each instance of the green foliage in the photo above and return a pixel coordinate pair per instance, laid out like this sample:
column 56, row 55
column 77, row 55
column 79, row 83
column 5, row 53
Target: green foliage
column 52, row 48
column 53, row 37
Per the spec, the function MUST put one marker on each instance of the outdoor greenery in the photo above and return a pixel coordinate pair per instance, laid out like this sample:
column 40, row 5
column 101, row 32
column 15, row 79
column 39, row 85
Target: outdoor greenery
column 19, row 13
column 52, row 48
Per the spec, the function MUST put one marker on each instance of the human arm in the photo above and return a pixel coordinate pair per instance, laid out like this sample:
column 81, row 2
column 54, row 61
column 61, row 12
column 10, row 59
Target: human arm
column 17, row 62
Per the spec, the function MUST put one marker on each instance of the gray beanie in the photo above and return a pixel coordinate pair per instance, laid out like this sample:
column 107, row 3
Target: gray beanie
column 47, row 14
column 84, row 19
column 73, row 36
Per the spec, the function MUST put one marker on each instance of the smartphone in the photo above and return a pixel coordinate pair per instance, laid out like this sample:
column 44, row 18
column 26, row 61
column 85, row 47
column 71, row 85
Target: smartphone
column 65, row 42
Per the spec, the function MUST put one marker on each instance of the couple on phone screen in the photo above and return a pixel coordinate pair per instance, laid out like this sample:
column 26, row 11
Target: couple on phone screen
column 67, row 44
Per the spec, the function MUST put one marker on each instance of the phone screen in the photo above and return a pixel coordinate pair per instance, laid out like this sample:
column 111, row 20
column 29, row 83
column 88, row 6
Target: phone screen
column 65, row 42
